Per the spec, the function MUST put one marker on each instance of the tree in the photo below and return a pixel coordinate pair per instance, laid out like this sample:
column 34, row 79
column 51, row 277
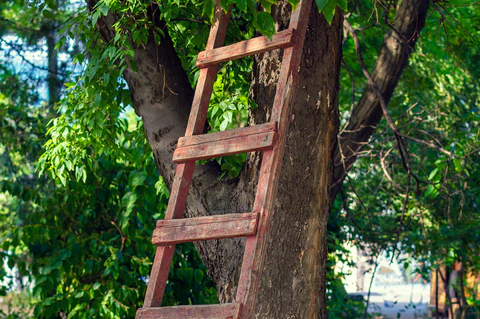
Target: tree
column 430, row 216
column 161, row 95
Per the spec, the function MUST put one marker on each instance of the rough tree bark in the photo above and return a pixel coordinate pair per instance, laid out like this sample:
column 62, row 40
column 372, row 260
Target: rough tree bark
column 298, row 251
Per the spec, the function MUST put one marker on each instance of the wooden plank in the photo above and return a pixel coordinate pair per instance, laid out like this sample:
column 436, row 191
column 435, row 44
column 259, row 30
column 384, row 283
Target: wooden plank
column 225, row 135
column 222, row 311
column 245, row 48
column 236, row 145
column 255, row 247
column 174, row 231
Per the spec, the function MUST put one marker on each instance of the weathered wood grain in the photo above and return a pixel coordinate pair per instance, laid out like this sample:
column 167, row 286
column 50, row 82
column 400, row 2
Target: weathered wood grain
column 223, row 311
column 226, row 135
column 235, row 145
column 245, row 48
column 174, row 231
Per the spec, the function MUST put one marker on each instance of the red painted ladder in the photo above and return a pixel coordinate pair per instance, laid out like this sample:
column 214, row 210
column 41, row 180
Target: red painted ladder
column 269, row 138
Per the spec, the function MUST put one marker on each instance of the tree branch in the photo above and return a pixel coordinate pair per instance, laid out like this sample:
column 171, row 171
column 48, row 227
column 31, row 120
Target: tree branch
column 33, row 65
column 392, row 60
column 402, row 149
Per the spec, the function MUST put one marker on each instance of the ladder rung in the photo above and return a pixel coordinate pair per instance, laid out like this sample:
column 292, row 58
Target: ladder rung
column 221, row 311
column 240, row 140
column 225, row 135
column 245, row 48
column 174, row 231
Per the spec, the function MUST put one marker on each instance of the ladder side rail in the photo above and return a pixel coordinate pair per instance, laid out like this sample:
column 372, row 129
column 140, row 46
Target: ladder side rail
column 184, row 171
column 203, row 92
column 164, row 254
column 255, row 247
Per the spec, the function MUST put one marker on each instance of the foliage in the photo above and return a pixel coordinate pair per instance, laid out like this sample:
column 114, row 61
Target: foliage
column 96, row 208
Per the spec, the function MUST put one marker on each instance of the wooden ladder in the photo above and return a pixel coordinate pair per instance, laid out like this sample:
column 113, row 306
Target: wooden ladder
column 269, row 138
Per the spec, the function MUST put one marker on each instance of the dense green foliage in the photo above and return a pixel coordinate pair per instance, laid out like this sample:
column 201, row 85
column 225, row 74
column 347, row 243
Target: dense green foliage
column 82, row 234
column 436, row 107
column 79, row 226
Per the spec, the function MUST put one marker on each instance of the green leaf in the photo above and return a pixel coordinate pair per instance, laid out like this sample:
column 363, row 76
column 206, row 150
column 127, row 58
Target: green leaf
column 458, row 165
column 329, row 11
column 433, row 173
column 103, row 9
column 180, row 274
column 321, row 4
column 226, row 4
column 189, row 275
column 294, row 3
column 138, row 179
column 51, row 267
column 264, row 23
column 342, row 4
column 430, row 190
column 95, row 17
column 207, row 10
column 242, row 5
column 267, row 5
column 49, row 301
column 52, row 5
column 64, row 254
column 48, row 14
column 198, row 275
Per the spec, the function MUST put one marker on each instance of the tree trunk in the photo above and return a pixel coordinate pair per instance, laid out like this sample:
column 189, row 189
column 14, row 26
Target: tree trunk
column 293, row 280
column 52, row 57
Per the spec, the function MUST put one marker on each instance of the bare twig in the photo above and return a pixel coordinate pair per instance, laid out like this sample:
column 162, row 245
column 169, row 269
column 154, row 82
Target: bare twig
column 123, row 238
column 347, row 210
column 429, row 144
column 361, row 202
column 352, row 102
column 384, row 168
column 188, row 19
